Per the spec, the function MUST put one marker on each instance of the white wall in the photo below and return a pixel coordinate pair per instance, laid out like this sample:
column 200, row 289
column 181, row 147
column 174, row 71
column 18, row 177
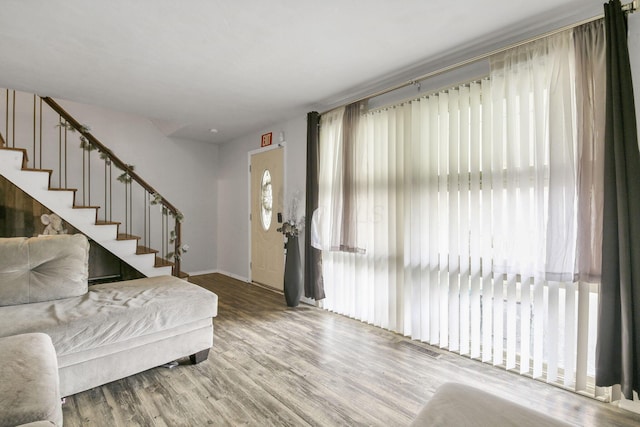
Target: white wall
column 182, row 171
column 233, row 206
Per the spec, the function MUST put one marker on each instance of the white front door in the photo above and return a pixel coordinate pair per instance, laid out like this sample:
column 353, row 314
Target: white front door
column 267, row 201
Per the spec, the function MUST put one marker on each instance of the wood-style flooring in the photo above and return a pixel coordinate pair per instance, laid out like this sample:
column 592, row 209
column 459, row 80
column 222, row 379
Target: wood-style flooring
column 276, row 366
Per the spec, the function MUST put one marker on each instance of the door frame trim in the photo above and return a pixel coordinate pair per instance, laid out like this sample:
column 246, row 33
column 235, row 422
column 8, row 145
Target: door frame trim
column 282, row 145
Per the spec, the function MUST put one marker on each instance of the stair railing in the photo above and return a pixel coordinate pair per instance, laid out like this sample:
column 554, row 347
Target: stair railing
column 67, row 126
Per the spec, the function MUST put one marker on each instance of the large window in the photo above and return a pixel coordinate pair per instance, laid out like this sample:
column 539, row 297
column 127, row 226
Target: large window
column 468, row 211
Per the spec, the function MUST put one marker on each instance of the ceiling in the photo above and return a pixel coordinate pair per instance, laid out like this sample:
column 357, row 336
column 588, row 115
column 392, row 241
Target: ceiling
column 240, row 66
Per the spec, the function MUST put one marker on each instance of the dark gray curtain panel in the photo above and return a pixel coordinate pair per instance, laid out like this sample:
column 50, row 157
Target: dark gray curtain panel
column 313, row 281
column 618, row 346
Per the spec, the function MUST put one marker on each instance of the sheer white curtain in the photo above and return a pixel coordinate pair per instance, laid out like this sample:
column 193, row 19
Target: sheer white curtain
column 467, row 211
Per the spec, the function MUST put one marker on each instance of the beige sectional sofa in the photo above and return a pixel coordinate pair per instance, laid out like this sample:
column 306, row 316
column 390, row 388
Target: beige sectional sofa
column 104, row 332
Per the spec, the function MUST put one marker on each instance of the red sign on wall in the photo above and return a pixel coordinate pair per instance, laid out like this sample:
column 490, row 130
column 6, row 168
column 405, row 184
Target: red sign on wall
column 266, row 139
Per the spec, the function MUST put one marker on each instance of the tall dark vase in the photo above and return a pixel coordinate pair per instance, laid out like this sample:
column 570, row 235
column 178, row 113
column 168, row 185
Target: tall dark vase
column 292, row 273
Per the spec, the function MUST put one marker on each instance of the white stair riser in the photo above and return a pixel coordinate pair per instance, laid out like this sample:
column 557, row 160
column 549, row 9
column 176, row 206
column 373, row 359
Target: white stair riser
column 105, row 232
column 11, row 159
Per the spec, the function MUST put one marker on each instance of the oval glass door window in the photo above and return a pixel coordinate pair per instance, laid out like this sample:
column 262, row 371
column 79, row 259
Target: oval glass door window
column 266, row 202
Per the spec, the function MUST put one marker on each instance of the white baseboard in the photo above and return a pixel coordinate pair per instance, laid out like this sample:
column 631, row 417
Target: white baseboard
column 226, row 273
column 233, row 276
column 200, row 273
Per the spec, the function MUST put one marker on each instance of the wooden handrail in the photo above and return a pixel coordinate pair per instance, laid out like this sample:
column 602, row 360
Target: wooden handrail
column 126, row 168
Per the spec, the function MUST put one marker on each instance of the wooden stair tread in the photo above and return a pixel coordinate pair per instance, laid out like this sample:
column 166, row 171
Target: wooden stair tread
column 125, row 236
column 101, row 222
column 62, row 189
column 85, row 207
column 49, row 171
column 140, row 250
column 24, row 150
column 161, row 262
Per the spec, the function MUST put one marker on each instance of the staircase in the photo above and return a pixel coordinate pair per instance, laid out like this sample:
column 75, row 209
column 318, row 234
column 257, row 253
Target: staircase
column 74, row 205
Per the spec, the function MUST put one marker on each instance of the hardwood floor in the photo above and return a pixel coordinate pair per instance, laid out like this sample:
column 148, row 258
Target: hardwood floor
column 273, row 365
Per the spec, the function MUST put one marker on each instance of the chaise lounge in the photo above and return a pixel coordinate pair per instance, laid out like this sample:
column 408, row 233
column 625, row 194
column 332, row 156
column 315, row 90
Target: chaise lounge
column 105, row 332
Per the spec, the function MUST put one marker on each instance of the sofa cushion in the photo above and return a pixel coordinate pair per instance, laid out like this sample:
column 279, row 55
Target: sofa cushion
column 29, row 387
column 43, row 268
column 112, row 312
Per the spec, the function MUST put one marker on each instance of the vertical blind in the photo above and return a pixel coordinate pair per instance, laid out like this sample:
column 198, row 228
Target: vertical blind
column 466, row 208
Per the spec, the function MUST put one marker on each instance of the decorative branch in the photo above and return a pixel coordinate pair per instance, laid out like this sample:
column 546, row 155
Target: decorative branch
column 178, row 216
column 68, row 126
column 178, row 255
column 84, row 142
column 104, row 156
column 293, row 225
column 155, row 199
column 124, row 177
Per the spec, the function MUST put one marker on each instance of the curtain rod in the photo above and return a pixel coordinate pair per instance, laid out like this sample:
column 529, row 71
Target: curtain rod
column 629, row 7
